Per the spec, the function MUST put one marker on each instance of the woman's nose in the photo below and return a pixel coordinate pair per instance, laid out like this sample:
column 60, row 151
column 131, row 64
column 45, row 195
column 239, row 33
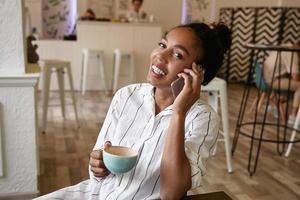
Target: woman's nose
column 162, row 56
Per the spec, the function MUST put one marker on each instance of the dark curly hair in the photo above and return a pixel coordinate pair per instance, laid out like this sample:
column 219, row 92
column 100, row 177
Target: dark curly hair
column 215, row 40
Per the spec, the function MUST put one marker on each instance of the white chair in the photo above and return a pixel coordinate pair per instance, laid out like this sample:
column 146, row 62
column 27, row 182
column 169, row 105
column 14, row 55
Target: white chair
column 217, row 89
column 119, row 55
column 87, row 54
column 58, row 66
column 296, row 126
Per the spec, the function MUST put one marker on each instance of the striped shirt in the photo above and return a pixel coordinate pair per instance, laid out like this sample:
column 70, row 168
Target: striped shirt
column 131, row 122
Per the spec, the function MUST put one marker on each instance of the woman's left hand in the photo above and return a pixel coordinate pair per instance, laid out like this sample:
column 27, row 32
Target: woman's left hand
column 191, row 90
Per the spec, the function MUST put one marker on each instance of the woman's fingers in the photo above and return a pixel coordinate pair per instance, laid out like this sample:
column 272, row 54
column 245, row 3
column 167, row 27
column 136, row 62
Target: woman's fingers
column 187, row 79
column 96, row 154
column 99, row 172
column 107, row 144
column 97, row 163
column 196, row 76
column 199, row 71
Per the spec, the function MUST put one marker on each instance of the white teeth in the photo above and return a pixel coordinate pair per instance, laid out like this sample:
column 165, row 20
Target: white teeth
column 157, row 70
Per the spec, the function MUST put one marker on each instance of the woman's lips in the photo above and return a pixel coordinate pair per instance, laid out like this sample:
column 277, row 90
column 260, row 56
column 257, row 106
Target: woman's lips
column 157, row 72
column 153, row 74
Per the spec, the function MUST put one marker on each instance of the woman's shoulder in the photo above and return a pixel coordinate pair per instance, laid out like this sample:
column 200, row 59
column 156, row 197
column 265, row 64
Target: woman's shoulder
column 202, row 108
column 137, row 88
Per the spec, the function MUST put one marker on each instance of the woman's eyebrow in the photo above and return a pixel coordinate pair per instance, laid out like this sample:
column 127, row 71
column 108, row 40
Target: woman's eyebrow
column 182, row 48
column 179, row 46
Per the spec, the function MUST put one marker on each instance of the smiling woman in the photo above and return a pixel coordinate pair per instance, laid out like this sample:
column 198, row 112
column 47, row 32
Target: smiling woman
column 173, row 137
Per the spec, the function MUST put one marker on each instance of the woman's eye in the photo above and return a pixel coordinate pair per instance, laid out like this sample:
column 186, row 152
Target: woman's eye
column 161, row 45
column 178, row 55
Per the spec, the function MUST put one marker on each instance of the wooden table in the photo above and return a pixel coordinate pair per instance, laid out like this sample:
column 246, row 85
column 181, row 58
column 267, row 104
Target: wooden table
column 209, row 196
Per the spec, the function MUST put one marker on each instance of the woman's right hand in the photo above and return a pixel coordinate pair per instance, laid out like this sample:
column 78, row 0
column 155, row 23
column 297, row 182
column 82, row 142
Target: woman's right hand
column 96, row 162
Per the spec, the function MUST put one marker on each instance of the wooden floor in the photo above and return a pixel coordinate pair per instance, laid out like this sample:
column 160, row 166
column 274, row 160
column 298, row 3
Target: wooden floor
column 64, row 154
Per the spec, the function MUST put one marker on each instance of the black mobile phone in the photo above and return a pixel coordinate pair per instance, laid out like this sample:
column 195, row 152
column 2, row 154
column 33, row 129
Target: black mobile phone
column 178, row 84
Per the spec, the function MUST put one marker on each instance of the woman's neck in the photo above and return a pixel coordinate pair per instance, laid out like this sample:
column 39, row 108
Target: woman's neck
column 163, row 98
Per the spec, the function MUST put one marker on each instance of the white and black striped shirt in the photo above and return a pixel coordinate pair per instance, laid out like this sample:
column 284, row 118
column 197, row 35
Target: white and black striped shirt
column 131, row 122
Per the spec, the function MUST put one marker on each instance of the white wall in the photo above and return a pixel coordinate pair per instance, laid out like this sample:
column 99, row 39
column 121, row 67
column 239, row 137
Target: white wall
column 287, row 3
column 168, row 12
column 35, row 11
column 17, row 105
column 81, row 7
column 11, row 40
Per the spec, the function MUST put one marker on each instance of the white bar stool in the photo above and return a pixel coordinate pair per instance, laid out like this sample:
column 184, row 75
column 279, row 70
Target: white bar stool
column 217, row 89
column 58, row 66
column 296, row 126
column 118, row 56
column 86, row 55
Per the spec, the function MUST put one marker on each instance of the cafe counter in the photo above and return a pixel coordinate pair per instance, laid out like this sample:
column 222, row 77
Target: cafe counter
column 140, row 38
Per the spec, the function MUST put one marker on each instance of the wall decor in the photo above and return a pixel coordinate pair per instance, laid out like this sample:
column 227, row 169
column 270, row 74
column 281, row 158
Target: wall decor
column 196, row 11
column 59, row 17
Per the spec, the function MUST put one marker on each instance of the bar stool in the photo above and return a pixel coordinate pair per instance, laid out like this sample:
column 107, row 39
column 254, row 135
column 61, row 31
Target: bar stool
column 86, row 55
column 58, row 66
column 118, row 56
column 217, row 89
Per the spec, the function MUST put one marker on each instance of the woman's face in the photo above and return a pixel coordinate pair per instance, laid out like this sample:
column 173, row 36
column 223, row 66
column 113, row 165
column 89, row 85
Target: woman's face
column 175, row 52
column 136, row 5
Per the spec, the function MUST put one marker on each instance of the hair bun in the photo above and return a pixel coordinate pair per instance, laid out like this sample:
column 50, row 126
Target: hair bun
column 223, row 33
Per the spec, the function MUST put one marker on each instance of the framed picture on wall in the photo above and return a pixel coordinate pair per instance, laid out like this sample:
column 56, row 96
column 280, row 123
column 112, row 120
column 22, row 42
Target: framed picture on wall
column 198, row 10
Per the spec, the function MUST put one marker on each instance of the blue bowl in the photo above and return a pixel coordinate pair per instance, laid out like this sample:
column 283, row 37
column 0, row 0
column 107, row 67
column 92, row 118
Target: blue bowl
column 118, row 159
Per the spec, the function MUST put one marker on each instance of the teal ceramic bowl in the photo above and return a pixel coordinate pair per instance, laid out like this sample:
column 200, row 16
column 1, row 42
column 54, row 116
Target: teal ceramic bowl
column 118, row 159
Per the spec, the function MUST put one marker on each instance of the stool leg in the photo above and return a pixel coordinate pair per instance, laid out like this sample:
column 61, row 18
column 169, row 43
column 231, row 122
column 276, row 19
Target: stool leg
column 45, row 94
column 225, row 122
column 102, row 72
column 213, row 102
column 296, row 125
column 117, row 71
column 84, row 74
column 81, row 75
column 61, row 86
column 72, row 93
column 133, row 73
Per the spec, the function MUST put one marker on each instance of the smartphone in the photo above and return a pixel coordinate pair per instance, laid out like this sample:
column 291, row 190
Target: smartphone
column 177, row 85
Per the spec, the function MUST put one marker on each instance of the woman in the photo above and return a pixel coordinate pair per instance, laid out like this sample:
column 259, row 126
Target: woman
column 135, row 14
column 287, row 76
column 174, row 137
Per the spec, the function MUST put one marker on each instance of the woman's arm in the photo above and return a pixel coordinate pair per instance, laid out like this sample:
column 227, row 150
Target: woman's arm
column 175, row 170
